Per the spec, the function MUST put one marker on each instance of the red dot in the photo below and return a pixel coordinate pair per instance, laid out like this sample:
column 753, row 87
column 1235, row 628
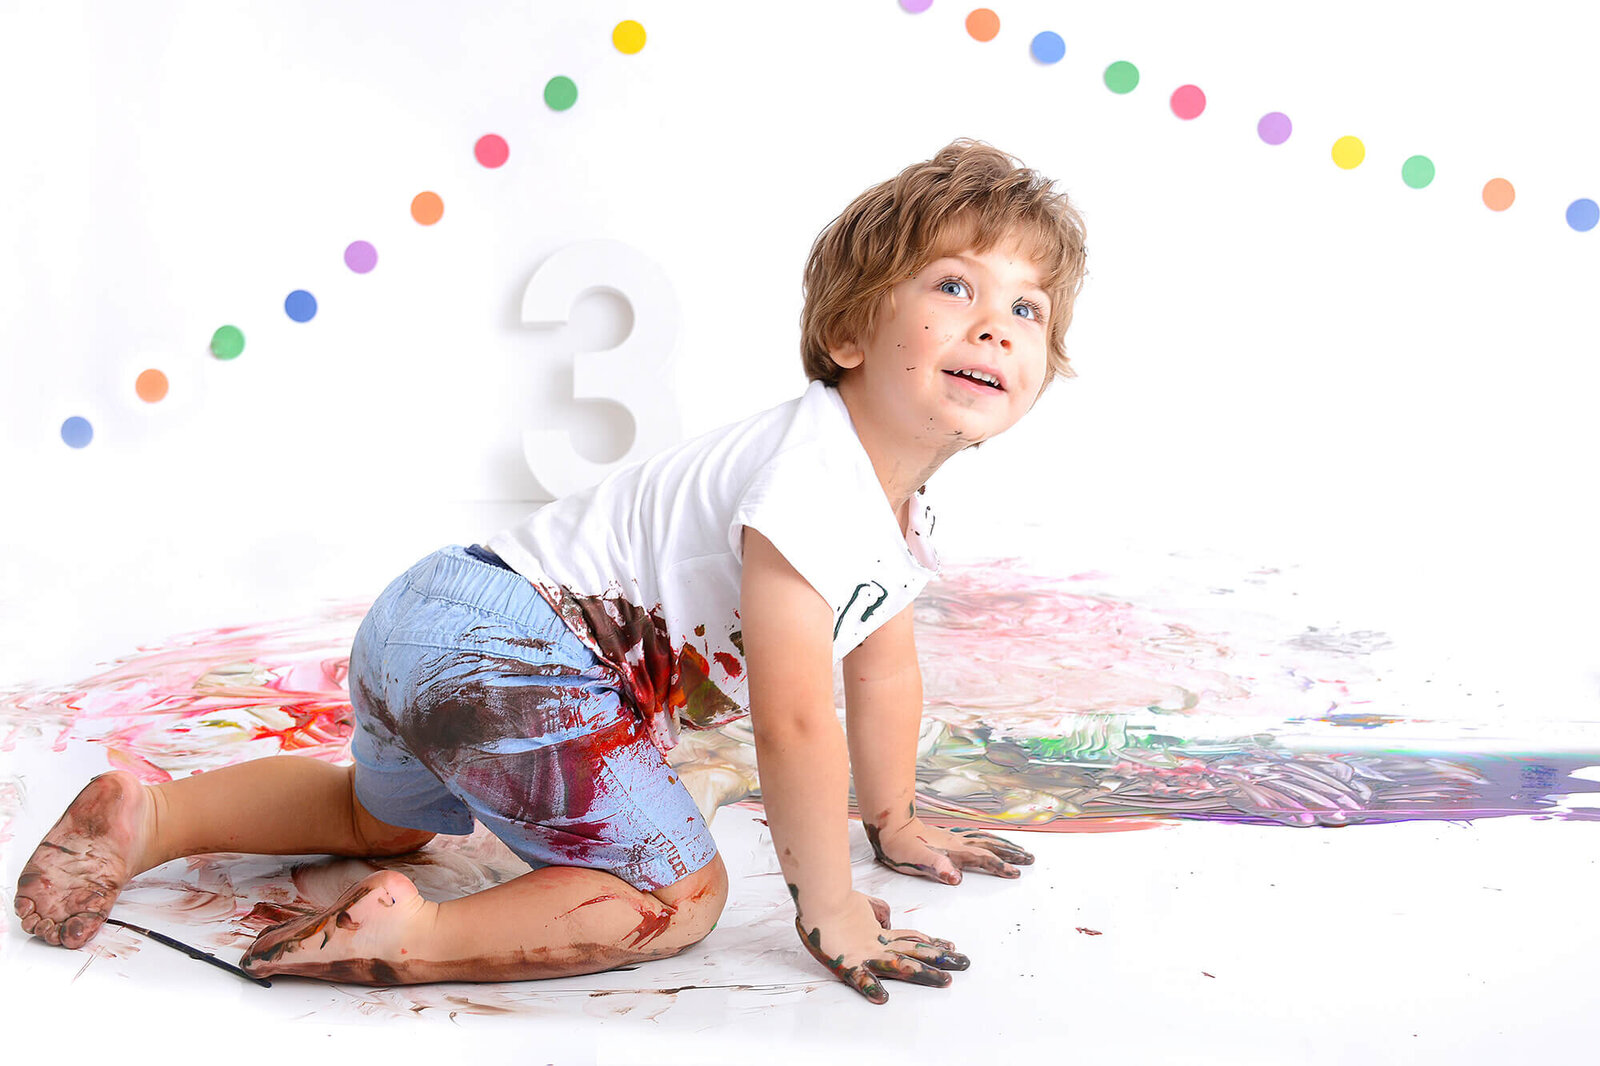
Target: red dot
column 1188, row 101
column 491, row 150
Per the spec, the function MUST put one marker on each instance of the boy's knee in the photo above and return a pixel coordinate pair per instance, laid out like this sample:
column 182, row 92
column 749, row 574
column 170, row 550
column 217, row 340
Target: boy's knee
column 699, row 899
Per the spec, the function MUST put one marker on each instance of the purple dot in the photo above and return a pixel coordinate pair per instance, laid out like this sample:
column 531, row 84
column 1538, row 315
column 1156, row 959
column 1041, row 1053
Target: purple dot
column 1274, row 128
column 916, row 7
column 360, row 257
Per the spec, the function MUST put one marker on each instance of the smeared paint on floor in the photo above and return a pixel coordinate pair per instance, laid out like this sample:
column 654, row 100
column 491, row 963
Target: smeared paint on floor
column 1050, row 706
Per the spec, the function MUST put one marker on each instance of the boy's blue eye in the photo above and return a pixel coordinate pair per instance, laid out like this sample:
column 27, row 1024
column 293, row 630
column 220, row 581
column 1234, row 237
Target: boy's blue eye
column 1038, row 312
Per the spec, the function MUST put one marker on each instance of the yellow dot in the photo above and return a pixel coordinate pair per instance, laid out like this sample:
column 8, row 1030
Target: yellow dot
column 1348, row 152
column 628, row 37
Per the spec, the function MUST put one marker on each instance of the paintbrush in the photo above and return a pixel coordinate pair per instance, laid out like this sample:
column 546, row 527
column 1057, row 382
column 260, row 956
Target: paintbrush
column 193, row 953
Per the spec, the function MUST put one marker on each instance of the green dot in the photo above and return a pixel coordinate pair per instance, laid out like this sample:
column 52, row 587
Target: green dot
column 1417, row 171
column 227, row 342
column 560, row 92
column 1122, row 76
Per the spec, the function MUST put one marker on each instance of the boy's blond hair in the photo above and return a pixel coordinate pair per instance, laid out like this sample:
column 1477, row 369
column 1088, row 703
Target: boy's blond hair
column 970, row 195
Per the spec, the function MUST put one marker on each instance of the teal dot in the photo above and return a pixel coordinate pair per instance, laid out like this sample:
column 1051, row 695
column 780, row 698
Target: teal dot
column 1417, row 171
column 77, row 432
column 560, row 92
column 1122, row 76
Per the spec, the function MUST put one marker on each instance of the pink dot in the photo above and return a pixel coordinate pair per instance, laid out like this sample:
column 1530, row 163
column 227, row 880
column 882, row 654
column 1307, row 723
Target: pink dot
column 491, row 150
column 1188, row 101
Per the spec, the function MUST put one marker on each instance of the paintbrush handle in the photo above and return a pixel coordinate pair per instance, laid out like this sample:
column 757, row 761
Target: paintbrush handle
column 193, row 953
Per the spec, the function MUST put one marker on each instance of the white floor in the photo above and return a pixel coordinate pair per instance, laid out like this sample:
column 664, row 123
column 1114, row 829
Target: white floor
column 1413, row 942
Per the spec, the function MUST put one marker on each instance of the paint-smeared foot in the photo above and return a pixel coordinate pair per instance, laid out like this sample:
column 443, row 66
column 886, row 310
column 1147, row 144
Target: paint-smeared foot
column 358, row 940
column 68, row 886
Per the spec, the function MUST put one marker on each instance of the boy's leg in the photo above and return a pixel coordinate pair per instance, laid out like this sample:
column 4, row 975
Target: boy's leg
column 557, row 921
column 117, row 828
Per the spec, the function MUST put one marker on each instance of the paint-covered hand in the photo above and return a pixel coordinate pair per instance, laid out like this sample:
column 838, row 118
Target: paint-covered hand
column 919, row 850
column 856, row 944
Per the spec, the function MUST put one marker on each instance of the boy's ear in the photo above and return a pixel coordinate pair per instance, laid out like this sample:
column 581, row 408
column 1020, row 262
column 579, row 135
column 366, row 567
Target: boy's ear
column 848, row 355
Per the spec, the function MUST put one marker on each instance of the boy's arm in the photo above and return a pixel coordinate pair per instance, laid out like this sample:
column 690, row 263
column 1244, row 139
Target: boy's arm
column 800, row 749
column 805, row 779
column 883, row 707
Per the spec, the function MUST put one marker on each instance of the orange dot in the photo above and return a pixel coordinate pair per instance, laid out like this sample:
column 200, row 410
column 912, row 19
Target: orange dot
column 427, row 208
column 1498, row 194
column 983, row 24
column 151, row 386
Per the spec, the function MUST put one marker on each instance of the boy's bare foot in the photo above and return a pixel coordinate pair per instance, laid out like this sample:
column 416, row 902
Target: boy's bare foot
column 359, row 939
column 69, row 884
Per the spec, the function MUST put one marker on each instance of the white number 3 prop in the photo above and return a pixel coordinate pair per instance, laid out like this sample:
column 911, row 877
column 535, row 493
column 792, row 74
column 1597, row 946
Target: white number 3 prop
column 636, row 374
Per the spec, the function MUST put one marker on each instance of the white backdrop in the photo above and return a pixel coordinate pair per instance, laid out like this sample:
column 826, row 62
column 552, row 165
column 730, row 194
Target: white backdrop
column 1278, row 358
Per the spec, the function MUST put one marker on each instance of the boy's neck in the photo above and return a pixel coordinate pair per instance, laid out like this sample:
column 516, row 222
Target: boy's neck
column 901, row 467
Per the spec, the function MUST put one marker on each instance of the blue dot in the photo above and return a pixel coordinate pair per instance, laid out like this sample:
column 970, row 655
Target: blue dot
column 300, row 305
column 1048, row 47
column 77, row 432
column 1583, row 214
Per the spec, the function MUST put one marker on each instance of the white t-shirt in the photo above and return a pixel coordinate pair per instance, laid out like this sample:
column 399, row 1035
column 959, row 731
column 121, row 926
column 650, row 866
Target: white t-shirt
column 644, row 567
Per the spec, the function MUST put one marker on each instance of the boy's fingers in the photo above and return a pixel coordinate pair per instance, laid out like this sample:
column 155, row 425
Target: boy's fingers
column 901, row 939
column 860, row 978
column 999, row 845
column 902, row 968
column 945, row 958
column 989, row 863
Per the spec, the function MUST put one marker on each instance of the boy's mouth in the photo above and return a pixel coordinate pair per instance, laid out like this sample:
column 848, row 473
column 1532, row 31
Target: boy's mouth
column 984, row 378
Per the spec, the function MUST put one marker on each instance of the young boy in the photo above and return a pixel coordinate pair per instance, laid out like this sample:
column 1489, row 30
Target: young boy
column 536, row 683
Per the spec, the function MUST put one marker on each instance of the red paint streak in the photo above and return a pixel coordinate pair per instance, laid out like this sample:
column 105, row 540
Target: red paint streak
column 1089, row 932
column 650, row 925
column 729, row 663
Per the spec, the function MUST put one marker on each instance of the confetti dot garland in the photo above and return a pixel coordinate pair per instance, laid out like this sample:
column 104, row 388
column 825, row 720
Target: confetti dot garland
column 628, row 37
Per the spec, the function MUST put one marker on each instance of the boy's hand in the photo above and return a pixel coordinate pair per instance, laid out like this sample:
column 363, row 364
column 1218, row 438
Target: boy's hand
column 856, row 943
column 919, row 850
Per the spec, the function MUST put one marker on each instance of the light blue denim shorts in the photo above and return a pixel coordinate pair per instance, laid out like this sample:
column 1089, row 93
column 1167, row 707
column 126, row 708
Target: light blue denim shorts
column 473, row 701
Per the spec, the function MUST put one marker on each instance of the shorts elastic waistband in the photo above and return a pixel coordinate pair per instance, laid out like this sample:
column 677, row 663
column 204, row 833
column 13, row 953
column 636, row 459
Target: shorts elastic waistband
column 465, row 575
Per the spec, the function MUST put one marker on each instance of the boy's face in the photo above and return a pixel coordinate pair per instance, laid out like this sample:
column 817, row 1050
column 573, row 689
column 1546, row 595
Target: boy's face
column 966, row 311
